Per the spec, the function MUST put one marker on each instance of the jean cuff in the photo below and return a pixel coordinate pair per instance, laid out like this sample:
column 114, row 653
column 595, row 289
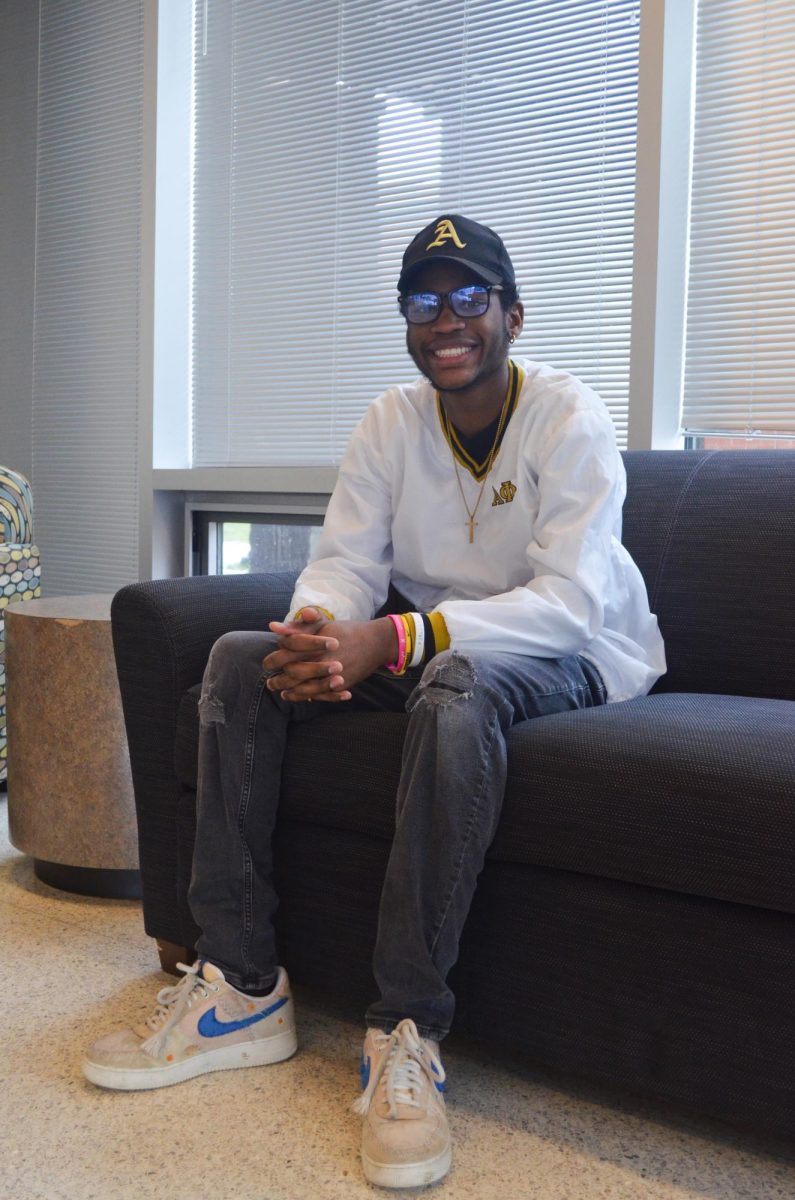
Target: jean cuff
column 430, row 1032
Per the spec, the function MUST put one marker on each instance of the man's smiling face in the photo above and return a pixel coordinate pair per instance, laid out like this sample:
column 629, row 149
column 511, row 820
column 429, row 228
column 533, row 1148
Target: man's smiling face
column 459, row 353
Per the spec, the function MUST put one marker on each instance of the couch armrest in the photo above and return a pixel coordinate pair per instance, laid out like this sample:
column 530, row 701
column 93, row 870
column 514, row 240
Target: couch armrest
column 163, row 632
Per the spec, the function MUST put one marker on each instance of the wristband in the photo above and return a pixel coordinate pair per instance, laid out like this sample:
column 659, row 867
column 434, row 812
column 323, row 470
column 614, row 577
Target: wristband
column 409, row 631
column 399, row 665
column 324, row 611
column 419, row 639
column 441, row 635
column 429, row 638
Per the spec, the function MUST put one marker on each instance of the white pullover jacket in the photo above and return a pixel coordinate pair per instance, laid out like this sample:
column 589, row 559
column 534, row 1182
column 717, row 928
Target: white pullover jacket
column 546, row 574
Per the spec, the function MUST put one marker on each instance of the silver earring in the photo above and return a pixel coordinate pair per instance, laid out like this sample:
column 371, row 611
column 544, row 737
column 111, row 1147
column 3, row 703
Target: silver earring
column 512, row 338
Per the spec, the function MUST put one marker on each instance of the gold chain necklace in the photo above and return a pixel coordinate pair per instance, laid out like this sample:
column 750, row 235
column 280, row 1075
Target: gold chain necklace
column 472, row 512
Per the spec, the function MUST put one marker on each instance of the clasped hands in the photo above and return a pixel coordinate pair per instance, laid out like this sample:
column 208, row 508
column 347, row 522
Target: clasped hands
column 318, row 659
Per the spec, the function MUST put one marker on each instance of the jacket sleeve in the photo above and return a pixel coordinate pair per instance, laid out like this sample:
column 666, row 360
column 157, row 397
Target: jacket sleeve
column 350, row 570
column 570, row 556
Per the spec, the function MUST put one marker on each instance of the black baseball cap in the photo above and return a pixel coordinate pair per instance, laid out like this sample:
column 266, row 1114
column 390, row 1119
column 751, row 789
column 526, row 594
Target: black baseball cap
column 457, row 239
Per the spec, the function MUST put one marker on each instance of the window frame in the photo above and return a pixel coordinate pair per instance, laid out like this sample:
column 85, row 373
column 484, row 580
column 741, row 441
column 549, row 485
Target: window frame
column 201, row 515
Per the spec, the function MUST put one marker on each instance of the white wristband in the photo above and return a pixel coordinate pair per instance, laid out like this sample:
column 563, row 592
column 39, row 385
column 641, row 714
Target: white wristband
column 419, row 639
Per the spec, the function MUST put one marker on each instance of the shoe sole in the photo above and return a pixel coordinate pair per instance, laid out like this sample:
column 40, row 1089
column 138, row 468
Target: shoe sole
column 403, row 1175
column 226, row 1058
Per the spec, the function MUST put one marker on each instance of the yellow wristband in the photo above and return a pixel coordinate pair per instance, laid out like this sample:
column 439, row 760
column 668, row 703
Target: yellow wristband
column 408, row 625
column 329, row 616
column 440, row 634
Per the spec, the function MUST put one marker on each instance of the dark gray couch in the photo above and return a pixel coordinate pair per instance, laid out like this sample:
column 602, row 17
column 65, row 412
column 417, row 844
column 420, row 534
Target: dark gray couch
column 635, row 922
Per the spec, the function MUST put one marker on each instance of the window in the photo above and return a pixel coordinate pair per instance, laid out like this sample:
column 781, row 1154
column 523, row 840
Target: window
column 235, row 543
column 327, row 133
column 740, row 340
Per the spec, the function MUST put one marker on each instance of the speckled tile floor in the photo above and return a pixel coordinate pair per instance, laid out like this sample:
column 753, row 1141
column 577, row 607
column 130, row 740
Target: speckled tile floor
column 76, row 967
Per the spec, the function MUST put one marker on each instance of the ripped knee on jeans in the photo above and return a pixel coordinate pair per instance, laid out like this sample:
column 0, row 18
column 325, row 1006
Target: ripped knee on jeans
column 448, row 678
column 211, row 709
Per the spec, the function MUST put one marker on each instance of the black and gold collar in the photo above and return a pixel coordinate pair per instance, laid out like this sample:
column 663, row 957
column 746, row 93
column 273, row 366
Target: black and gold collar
column 477, row 469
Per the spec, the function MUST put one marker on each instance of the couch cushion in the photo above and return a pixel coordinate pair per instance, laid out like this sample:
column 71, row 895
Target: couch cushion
column 687, row 792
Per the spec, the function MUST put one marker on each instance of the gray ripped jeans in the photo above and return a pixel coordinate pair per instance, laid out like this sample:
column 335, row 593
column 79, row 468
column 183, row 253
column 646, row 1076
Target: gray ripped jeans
column 448, row 804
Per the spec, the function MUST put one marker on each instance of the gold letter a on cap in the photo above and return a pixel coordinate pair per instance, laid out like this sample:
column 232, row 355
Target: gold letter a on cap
column 445, row 232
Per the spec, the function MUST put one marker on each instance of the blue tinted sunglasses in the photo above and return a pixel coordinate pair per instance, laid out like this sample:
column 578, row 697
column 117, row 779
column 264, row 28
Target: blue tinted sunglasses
column 419, row 308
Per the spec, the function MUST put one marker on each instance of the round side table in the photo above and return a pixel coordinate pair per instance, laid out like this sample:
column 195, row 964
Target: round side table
column 70, row 795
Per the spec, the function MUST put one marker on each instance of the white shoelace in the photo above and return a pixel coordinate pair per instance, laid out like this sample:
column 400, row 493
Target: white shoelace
column 172, row 1003
column 404, row 1070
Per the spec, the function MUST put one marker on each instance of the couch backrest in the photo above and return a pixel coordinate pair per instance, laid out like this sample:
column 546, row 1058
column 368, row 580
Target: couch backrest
column 714, row 536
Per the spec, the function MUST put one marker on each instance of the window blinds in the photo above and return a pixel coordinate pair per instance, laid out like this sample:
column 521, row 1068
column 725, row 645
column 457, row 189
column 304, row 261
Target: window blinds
column 87, row 305
column 328, row 133
column 740, row 339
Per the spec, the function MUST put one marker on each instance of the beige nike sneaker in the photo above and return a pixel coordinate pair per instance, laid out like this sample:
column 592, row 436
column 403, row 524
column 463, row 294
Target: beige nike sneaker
column 405, row 1138
column 201, row 1024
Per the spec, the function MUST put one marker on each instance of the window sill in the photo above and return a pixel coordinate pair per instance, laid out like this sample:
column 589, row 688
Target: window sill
column 245, row 479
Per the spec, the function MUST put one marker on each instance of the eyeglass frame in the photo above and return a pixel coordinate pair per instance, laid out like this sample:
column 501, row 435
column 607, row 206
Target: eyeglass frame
column 444, row 298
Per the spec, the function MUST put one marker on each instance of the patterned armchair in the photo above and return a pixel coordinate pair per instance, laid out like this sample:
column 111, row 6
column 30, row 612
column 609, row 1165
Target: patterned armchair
column 20, row 573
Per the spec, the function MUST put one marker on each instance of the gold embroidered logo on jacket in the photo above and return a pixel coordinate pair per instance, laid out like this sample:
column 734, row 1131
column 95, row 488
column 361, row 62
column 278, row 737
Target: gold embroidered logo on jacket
column 445, row 232
column 505, row 495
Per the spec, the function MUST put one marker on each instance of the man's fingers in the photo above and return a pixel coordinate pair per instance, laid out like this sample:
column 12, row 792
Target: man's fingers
column 282, row 658
column 304, row 667
column 332, row 688
column 322, row 675
column 306, row 626
column 308, row 616
column 278, row 659
column 311, row 643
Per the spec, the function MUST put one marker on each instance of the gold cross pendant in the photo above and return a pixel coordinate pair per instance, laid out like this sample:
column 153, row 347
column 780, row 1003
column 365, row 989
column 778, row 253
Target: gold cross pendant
column 472, row 524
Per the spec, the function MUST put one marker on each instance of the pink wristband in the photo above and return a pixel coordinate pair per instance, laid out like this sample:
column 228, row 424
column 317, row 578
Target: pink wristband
column 400, row 663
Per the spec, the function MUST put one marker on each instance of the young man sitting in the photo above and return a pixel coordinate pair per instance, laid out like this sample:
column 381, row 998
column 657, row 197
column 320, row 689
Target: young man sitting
column 489, row 493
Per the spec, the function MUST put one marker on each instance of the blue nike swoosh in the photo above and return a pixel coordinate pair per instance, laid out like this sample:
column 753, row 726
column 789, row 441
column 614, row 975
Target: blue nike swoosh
column 209, row 1026
column 364, row 1072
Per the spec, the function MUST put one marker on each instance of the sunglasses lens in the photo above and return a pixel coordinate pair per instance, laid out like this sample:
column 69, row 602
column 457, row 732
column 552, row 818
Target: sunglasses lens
column 469, row 301
column 421, row 307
